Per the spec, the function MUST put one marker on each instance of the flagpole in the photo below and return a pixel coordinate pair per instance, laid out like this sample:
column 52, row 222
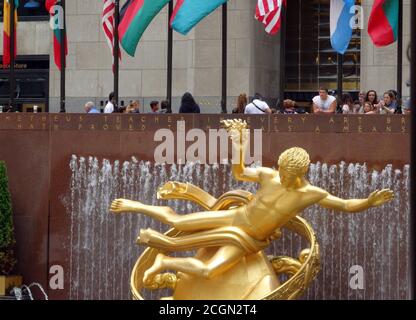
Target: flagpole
column 412, row 223
column 400, row 51
column 116, row 53
column 170, row 59
column 340, row 75
column 282, row 55
column 62, row 32
column 224, row 58
column 12, row 59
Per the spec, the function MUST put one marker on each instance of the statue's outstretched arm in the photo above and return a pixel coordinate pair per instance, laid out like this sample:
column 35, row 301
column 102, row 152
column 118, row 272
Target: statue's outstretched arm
column 377, row 198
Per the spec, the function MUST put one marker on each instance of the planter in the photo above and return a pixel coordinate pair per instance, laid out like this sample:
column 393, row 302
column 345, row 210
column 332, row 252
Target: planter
column 8, row 282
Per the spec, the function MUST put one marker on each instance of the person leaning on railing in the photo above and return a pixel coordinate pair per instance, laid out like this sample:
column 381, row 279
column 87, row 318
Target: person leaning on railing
column 257, row 106
column 242, row 101
column 289, row 107
column 324, row 103
column 390, row 104
column 369, row 108
column 372, row 97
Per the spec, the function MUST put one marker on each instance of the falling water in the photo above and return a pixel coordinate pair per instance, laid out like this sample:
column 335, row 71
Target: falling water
column 103, row 249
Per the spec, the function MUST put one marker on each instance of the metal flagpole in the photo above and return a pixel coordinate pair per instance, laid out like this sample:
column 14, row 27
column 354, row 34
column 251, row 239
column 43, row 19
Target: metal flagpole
column 12, row 59
column 224, row 58
column 340, row 75
column 170, row 59
column 400, row 51
column 62, row 32
column 282, row 55
column 412, row 223
column 115, row 53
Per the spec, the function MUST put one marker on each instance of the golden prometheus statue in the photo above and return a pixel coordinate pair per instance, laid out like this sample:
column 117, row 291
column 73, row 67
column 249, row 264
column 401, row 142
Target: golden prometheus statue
column 229, row 238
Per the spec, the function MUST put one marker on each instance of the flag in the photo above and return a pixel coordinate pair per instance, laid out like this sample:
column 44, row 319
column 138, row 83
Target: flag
column 135, row 20
column 124, row 9
column 7, row 32
column 340, row 24
column 383, row 24
column 57, row 39
column 108, row 23
column 265, row 6
column 188, row 13
column 269, row 12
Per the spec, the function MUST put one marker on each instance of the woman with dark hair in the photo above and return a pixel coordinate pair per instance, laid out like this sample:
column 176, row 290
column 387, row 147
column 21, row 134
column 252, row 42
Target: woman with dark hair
column 188, row 104
column 165, row 107
column 390, row 105
column 372, row 97
column 347, row 104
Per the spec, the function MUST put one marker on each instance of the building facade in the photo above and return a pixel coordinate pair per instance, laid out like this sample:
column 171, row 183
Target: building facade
column 253, row 58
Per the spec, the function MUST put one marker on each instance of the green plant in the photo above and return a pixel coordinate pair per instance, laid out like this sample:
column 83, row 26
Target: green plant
column 7, row 241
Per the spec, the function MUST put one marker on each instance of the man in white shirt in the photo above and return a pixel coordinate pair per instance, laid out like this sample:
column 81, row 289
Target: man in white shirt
column 324, row 103
column 109, row 108
column 258, row 106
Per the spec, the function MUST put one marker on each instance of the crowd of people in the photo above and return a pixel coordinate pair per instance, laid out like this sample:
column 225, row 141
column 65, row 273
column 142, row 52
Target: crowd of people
column 188, row 105
column 323, row 103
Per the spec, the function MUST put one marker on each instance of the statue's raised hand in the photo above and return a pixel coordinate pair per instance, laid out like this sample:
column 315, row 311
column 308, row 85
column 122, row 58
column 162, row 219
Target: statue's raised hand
column 237, row 129
column 378, row 198
column 234, row 124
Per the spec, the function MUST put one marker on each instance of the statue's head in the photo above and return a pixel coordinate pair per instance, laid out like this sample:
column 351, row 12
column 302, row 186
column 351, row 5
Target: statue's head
column 293, row 165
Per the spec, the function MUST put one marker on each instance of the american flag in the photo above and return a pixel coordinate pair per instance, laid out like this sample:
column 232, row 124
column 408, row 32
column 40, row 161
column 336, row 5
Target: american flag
column 269, row 12
column 109, row 24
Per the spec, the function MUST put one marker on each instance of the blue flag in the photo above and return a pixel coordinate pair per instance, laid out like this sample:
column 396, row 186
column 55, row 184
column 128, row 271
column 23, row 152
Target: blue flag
column 188, row 13
column 341, row 29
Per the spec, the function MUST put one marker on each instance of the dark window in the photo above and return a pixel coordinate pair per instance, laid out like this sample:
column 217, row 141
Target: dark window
column 32, row 83
column 310, row 60
column 29, row 10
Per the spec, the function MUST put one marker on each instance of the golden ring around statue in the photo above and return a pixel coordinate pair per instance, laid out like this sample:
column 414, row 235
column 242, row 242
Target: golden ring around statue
column 300, row 272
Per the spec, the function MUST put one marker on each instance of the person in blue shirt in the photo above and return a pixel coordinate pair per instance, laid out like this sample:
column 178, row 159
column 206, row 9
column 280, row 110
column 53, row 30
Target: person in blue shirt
column 390, row 105
column 91, row 108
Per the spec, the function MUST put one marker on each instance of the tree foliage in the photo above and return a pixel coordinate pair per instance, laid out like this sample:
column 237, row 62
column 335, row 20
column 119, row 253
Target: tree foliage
column 7, row 260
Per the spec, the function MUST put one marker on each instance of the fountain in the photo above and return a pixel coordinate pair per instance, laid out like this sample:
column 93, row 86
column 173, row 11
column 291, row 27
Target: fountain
column 103, row 250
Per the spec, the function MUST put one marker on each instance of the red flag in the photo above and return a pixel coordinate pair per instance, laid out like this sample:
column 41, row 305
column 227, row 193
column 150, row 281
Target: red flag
column 383, row 25
column 57, row 34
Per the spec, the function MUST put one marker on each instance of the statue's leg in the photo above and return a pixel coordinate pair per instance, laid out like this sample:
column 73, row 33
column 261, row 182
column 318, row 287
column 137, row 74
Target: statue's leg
column 163, row 214
column 203, row 220
column 188, row 222
column 224, row 259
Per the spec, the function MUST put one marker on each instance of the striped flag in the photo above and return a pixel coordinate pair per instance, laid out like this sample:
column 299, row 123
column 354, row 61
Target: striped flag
column 58, row 42
column 383, row 24
column 269, row 12
column 7, row 32
column 134, row 21
column 108, row 23
column 265, row 6
column 340, row 27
